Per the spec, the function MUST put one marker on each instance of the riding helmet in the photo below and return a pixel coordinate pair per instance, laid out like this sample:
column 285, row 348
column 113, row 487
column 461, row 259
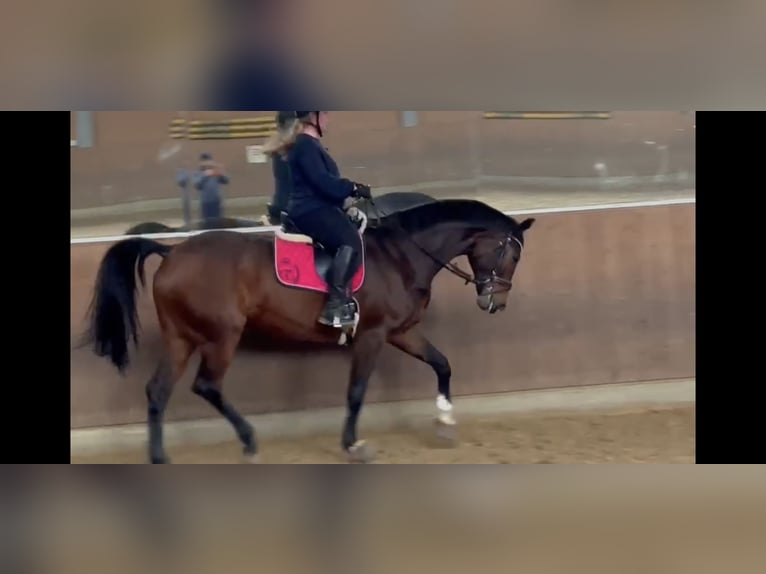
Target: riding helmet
column 305, row 115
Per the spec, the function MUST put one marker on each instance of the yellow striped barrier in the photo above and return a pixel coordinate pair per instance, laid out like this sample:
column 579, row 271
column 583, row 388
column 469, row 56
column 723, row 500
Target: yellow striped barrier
column 238, row 128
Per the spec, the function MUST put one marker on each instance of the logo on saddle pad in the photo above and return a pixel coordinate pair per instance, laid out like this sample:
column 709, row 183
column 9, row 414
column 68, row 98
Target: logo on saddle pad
column 288, row 271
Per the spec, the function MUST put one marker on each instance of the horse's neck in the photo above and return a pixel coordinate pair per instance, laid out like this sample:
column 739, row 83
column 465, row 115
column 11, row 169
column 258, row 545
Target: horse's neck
column 443, row 243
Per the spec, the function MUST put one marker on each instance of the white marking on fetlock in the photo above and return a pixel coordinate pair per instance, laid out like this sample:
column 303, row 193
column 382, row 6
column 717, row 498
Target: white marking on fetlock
column 357, row 445
column 445, row 410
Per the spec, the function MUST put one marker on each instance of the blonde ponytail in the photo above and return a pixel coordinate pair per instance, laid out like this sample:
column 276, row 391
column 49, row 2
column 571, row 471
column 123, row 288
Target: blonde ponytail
column 283, row 139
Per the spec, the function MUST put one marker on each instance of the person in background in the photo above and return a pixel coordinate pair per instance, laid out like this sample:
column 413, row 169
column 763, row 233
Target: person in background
column 209, row 180
column 183, row 177
column 279, row 169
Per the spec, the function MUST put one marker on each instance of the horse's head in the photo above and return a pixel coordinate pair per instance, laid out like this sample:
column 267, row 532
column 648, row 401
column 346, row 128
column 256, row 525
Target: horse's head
column 494, row 257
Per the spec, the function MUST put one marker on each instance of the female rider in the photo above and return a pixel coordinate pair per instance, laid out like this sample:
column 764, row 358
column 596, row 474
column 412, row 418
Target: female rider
column 315, row 206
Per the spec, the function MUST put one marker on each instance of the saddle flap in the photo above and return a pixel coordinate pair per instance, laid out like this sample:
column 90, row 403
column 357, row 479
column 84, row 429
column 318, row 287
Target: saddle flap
column 303, row 264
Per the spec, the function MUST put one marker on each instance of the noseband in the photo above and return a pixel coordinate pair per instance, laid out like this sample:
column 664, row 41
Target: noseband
column 503, row 245
column 492, row 279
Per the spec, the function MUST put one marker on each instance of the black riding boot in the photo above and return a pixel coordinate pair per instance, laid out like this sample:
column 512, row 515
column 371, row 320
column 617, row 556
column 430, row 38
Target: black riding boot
column 339, row 309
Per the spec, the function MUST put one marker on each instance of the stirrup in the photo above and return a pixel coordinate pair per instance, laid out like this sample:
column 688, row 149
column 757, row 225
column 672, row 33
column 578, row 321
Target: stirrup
column 338, row 320
column 337, row 323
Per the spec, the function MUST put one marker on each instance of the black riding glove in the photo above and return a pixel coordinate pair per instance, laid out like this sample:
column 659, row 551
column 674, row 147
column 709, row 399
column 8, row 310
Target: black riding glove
column 363, row 191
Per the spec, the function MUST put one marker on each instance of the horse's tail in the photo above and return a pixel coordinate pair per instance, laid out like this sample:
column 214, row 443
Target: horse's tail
column 113, row 316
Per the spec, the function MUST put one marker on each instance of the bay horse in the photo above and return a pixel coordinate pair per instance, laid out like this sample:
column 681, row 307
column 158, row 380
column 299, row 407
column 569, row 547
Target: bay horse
column 214, row 287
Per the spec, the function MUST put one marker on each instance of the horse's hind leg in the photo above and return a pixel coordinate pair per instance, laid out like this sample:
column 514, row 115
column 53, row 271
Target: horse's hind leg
column 216, row 358
column 158, row 391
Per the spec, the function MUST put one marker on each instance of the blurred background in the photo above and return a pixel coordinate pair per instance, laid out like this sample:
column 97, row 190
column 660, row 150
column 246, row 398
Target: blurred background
column 491, row 54
column 659, row 519
column 125, row 165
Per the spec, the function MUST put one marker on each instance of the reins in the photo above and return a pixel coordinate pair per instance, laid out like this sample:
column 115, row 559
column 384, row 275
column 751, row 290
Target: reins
column 451, row 267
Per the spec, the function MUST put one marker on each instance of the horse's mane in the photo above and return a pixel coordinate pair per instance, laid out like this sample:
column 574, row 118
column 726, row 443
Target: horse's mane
column 468, row 212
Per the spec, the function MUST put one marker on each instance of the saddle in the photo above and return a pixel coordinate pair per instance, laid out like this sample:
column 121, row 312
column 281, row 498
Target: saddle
column 302, row 262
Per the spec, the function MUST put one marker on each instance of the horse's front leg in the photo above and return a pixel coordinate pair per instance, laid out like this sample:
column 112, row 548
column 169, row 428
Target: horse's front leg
column 365, row 351
column 415, row 344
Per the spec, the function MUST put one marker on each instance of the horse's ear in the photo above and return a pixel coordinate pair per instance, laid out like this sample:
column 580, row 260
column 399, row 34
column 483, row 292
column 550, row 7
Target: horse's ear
column 526, row 224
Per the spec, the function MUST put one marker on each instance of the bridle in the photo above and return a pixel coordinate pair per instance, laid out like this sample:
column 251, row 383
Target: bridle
column 492, row 278
column 490, row 281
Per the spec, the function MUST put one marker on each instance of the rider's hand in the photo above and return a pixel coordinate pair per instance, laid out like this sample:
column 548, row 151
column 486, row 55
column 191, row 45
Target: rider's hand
column 363, row 191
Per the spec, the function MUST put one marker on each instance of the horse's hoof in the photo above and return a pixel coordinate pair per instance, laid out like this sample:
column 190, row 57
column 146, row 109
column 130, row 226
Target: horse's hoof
column 446, row 434
column 361, row 452
column 251, row 458
column 159, row 460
